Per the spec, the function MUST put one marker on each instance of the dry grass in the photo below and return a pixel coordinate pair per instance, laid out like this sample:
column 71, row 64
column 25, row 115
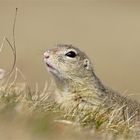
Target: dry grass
column 37, row 117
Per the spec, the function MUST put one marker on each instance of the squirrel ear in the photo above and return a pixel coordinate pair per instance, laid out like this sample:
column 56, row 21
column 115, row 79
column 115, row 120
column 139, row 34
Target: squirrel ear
column 86, row 63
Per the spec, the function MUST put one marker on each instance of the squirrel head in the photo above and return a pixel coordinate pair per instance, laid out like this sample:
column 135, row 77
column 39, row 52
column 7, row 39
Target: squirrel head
column 67, row 62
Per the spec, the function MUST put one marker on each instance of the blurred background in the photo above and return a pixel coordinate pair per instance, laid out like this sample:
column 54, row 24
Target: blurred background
column 109, row 32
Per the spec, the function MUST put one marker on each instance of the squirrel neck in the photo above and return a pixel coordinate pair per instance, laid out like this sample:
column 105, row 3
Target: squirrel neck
column 88, row 84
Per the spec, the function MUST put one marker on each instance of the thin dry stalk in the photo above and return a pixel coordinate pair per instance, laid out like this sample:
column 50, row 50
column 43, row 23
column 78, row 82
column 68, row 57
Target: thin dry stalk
column 13, row 47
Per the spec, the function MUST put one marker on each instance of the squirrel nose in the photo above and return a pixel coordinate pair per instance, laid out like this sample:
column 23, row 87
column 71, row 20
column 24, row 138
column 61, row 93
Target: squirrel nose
column 46, row 54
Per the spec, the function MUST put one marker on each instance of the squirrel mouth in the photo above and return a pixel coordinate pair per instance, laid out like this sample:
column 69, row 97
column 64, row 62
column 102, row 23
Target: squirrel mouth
column 50, row 66
column 51, row 69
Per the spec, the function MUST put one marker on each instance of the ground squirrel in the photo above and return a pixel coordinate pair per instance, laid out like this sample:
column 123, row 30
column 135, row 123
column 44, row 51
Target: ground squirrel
column 77, row 83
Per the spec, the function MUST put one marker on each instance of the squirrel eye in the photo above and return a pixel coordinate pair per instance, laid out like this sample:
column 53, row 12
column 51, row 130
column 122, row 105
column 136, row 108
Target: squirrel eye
column 71, row 54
